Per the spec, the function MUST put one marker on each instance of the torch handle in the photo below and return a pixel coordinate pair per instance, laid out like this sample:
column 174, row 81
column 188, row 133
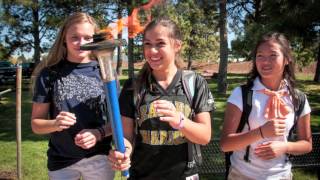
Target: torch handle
column 115, row 118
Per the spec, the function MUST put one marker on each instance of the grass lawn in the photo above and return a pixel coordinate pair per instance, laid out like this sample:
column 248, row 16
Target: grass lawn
column 34, row 147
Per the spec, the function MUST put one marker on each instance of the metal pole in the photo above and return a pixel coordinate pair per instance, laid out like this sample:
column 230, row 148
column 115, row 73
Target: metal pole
column 18, row 119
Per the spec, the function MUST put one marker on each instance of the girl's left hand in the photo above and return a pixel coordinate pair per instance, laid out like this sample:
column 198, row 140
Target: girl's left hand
column 271, row 149
column 168, row 112
column 86, row 138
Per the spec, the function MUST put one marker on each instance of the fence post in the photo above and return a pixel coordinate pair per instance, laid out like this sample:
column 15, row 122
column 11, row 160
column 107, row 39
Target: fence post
column 18, row 119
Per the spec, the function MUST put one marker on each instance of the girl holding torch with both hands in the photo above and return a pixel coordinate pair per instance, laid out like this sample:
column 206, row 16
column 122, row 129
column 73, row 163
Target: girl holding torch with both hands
column 69, row 104
column 159, row 147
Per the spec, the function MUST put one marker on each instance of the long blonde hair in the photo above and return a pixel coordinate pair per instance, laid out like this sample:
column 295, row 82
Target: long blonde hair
column 58, row 50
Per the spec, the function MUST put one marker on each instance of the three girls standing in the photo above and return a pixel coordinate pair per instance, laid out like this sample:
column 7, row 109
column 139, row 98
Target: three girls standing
column 158, row 139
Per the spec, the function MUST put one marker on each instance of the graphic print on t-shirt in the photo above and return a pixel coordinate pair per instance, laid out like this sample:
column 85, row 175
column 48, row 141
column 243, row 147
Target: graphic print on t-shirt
column 79, row 89
column 158, row 132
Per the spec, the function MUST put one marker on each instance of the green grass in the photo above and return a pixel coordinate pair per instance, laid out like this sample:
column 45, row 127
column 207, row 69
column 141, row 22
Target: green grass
column 34, row 147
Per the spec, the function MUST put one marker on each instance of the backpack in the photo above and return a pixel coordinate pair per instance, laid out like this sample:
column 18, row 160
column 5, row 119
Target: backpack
column 188, row 84
column 247, row 106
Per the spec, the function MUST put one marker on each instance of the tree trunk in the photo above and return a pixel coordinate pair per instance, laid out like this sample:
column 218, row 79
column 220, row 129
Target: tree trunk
column 130, row 47
column 222, row 78
column 119, row 56
column 317, row 74
column 36, row 33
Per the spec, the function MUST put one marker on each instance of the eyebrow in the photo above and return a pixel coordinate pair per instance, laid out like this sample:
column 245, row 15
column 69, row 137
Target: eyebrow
column 270, row 50
column 160, row 39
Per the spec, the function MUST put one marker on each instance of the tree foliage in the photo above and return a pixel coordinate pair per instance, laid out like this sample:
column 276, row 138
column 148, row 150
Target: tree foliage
column 298, row 20
column 25, row 25
column 30, row 25
column 198, row 22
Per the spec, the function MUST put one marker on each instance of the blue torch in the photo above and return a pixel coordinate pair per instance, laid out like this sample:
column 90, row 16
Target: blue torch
column 103, row 49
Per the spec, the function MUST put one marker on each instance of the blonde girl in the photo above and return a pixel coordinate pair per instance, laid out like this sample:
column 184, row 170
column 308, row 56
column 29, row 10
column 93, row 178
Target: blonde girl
column 69, row 103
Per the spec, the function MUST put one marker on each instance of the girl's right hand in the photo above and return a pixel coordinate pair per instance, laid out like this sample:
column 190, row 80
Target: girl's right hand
column 64, row 120
column 274, row 127
column 121, row 161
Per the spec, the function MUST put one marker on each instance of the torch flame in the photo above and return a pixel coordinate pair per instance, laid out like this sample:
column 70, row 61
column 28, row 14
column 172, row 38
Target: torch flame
column 132, row 22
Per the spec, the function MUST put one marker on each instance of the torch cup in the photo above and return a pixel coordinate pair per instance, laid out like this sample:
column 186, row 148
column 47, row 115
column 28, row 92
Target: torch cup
column 104, row 52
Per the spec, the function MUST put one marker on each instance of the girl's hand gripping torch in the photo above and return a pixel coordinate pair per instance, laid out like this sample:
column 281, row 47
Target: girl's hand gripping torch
column 104, row 52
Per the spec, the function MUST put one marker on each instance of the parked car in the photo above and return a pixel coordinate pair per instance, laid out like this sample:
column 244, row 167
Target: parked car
column 7, row 72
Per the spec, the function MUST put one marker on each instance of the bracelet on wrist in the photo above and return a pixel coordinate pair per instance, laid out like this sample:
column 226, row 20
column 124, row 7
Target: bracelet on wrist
column 261, row 134
column 102, row 132
column 181, row 122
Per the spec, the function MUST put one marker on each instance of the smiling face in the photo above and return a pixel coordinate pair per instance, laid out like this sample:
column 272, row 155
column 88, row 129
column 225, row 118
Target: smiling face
column 77, row 35
column 160, row 48
column 270, row 61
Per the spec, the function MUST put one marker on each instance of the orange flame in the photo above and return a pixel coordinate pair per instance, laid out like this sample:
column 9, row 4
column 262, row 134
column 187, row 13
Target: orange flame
column 132, row 22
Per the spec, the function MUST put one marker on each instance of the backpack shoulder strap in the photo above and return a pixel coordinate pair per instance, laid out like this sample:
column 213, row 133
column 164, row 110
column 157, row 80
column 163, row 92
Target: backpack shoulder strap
column 138, row 97
column 246, row 94
column 247, row 106
column 188, row 83
column 301, row 102
column 297, row 110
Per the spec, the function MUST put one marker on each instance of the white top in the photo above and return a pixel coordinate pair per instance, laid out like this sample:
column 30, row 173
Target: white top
column 258, row 168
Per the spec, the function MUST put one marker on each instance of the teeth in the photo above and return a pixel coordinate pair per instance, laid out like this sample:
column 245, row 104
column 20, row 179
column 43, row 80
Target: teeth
column 155, row 59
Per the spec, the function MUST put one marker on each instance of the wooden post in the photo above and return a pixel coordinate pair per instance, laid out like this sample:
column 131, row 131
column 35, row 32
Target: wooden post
column 18, row 119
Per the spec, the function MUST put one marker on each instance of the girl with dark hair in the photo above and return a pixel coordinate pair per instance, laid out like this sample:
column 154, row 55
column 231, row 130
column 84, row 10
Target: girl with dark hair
column 68, row 105
column 162, row 118
column 274, row 101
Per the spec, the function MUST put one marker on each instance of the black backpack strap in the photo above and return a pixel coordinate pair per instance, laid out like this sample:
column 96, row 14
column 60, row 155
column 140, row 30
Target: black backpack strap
column 138, row 97
column 188, row 82
column 297, row 110
column 246, row 106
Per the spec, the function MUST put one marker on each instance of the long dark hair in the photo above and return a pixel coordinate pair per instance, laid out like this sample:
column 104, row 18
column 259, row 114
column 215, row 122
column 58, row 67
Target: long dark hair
column 175, row 33
column 288, row 73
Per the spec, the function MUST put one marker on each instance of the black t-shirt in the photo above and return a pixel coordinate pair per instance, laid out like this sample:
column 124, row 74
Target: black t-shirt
column 75, row 88
column 160, row 151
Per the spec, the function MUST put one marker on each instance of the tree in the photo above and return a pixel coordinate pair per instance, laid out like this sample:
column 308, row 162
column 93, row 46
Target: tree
column 222, row 78
column 4, row 54
column 317, row 74
column 26, row 24
column 197, row 21
column 298, row 20
column 248, row 21
column 33, row 24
